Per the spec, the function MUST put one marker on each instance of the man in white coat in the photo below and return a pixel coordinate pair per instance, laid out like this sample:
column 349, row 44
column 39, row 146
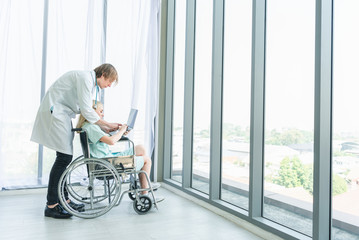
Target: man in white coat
column 71, row 94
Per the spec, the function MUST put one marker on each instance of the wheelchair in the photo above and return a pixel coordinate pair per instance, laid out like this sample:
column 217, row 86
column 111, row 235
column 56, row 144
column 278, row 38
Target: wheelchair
column 97, row 182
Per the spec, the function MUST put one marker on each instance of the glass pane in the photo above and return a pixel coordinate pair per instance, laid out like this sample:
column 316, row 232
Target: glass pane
column 202, row 95
column 21, row 24
column 345, row 145
column 178, row 90
column 289, row 113
column 236, row 102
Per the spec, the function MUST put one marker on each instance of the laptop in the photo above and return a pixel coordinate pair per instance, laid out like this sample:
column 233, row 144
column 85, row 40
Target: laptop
column 131, row 119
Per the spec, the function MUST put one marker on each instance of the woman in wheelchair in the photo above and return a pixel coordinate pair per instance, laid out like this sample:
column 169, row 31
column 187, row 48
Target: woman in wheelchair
column 100, row 141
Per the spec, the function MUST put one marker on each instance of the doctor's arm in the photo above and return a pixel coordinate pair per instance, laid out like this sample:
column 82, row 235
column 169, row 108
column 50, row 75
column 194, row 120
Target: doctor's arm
column 111, row 140
column 106, row 126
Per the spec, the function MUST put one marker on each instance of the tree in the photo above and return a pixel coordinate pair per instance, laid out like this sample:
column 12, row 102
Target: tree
column 291, row 173
column 288, row 137
column 339, row 185
column 308, row 175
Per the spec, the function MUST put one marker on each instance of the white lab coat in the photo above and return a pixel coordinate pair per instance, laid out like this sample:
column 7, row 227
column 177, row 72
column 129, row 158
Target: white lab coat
column 69, row 95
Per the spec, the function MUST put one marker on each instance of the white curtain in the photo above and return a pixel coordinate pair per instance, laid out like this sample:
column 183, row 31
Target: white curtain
column 145, row 69
column 74, row 36
column 20, row 74
column 75, row 40
column 133, row 47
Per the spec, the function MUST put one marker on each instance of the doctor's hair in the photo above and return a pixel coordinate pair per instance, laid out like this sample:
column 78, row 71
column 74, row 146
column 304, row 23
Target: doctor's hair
column 108, row 71
column 82, row 119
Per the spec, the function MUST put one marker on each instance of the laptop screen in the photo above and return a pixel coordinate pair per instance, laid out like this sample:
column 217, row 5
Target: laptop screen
column 132, row 119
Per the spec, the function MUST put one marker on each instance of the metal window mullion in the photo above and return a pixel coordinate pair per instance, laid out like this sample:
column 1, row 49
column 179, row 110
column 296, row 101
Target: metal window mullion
column 43, row 82
column 257, row 109
column 167, row 163
column 322, row 120
column 188, row 94
column 216, row 96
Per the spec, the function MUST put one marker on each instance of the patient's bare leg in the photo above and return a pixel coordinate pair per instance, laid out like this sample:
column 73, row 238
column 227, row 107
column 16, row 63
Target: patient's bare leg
column 147, row 168
column 140, row 150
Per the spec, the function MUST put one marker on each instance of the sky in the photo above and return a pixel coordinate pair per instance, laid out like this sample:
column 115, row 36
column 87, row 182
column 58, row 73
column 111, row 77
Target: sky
column 290, row 56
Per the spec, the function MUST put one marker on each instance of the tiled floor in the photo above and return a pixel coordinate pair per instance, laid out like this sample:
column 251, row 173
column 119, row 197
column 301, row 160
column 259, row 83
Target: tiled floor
column 21, row 217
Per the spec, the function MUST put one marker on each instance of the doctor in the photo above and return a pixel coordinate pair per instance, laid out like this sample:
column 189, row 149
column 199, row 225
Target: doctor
column 71, row 94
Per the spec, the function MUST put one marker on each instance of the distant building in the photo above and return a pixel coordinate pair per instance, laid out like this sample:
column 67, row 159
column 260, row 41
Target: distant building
column 350, row 147
column 303, row 147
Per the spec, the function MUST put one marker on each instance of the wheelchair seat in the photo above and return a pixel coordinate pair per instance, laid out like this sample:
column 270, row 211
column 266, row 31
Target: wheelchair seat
column 121, row 163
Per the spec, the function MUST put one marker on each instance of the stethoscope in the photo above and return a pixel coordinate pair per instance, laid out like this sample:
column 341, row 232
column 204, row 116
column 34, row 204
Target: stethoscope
column 96, row 91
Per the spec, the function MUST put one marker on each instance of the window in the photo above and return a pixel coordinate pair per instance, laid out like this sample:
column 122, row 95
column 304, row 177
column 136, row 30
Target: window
column 284, row 102
column 345, row 137
column 289, row 113
column 236, row 102
column 202, row 95
column 178, row 90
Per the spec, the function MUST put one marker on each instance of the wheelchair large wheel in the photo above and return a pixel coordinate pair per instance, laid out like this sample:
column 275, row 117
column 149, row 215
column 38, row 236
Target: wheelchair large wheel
column 143, row 205
column 77, row 189
column 93, row 182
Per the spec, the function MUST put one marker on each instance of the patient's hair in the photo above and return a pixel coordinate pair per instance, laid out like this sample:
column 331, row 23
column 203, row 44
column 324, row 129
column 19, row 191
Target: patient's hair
column 82, row 119
column 108, row 71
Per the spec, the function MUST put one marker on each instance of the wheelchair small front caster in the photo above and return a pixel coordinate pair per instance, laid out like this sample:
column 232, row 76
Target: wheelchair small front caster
column 142, row 206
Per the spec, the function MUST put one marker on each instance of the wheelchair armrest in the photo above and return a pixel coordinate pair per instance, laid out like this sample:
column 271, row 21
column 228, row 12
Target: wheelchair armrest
column 123, row 138
column 76, row 129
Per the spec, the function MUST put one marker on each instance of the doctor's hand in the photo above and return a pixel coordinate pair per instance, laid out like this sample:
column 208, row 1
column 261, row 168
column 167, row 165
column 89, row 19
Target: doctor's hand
column 113, row 126
column 107, row 127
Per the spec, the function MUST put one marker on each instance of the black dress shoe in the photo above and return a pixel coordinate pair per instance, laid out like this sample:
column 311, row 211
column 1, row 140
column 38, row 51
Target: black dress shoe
column 57, row 212
column 78, row 207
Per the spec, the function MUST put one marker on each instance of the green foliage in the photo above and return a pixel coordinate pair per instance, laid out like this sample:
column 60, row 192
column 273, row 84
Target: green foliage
column 342, row 154
column 339, row 185
column 288, row 137
column 293, row 173
column 308, row 176
column 204, row 133
column 233, row 131
column 290, row 172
